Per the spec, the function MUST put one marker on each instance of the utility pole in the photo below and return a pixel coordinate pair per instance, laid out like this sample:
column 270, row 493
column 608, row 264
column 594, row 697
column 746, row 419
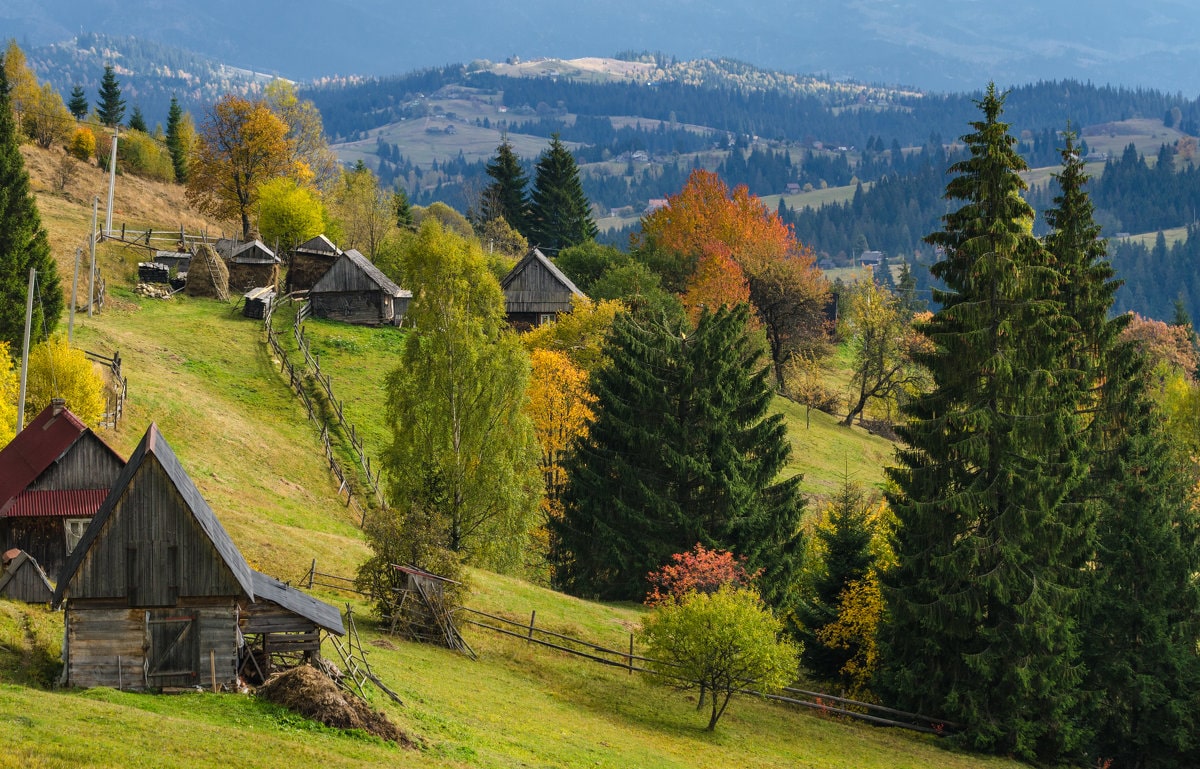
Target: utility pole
column 92, row 250
column 25, row 351
column 112, row 182
column 74, row 289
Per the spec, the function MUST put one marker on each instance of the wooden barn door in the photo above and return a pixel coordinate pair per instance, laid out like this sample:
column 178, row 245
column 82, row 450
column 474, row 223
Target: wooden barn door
column 172, row 648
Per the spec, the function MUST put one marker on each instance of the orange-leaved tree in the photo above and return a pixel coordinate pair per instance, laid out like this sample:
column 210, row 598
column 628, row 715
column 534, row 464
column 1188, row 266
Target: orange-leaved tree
column 705, row 218
column 241, row 145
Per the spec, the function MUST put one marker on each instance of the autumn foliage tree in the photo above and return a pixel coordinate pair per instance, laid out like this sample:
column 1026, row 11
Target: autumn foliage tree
column 241, row 145
column 699, row 570
column 695, row 241
column 560, row 406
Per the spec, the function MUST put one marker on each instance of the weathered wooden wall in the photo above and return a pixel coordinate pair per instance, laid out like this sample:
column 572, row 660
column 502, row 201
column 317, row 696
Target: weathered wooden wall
column 369, row 308
column 96, row 636
column 307, row 269
column 43, row 538
column 88, row 465
column 26, row 584
column 153, row 550
column 536, row 290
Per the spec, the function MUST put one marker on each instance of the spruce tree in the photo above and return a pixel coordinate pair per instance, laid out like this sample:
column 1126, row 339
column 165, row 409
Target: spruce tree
column 23, row 242
column 137, row 121
column 982, row 601
column 1141, row 601
column 78, row 103
column 506, row 197
column 682, row 452
column 844, row 541
column 559, row 213
column 175, row 141
column 111, row 107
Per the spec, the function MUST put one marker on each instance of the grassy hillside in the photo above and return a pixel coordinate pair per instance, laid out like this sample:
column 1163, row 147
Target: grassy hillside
column 203, row 373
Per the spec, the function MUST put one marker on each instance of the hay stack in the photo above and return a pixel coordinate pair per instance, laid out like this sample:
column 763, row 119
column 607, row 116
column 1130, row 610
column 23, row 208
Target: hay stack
column 314, row 695
column 207, row 275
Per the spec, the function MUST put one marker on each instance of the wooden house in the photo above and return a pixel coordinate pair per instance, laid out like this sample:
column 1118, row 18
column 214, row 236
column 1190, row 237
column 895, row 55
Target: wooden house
column 251, row 264
column 536, row 291
column 23, row 579
column 309, row 261
column 355, row 291
column 54, row 475
column 157, row 595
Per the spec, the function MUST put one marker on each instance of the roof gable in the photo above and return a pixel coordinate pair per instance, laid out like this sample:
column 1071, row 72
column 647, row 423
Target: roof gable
column 319, row 245
column 535, row 259
column 154, row 449
column 43, row 442
column 352, row 261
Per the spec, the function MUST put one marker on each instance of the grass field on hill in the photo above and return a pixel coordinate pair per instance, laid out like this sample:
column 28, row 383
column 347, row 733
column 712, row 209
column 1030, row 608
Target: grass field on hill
column 204, row 375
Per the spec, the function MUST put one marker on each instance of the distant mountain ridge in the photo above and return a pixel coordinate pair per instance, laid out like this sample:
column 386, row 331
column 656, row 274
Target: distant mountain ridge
column 944, row 45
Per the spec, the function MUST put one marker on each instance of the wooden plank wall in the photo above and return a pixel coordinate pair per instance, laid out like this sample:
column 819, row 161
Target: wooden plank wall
column 536, row 290
column 96, row 637
column 361, row 307
column 43, row 538
column 152, row 546
column 28, row 586
column 87, row 465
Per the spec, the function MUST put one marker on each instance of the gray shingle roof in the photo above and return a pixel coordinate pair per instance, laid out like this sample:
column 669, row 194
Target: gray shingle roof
column 270, row 589
column 537, row 256
column 375, row 274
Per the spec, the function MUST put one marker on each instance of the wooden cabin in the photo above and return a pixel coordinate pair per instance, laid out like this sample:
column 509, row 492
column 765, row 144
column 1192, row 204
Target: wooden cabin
column 156, row 593
column 24, row 580
column 251, row 264
column 536, row 291
column 54, row 475
column 309, row 261
column 355, row 291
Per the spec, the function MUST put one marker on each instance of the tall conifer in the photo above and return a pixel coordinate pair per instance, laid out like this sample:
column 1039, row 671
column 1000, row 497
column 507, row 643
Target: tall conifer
column 506, row 197
column 682, row 452
column 1142, row 605
column 559, row 213
column 78, row 103
column 111, row 107
column 175, row 145
column 981, row 603
column 23, row 242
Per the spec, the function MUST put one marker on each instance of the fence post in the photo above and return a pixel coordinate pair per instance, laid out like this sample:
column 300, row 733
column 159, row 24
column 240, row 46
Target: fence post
column 312, row 572
column 630, row 651
column 532, row 617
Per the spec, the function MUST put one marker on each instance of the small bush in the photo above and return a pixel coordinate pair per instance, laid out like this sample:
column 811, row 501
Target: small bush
column 83, row 144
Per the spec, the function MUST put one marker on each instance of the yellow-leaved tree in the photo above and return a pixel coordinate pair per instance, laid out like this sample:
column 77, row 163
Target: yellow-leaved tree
column 56, row 370
column 9, row 388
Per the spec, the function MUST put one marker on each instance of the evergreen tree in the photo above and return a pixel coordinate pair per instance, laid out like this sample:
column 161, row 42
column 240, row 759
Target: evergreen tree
column 402, row 209
column 23, row 242
column 78, row 103
column 981, row 602
column 137, row 121
column 559, row 212
column 844, row 541
column 682, row 452
column 111, row 107
column 506, row 197
column 1141, row 601
column 175, row 145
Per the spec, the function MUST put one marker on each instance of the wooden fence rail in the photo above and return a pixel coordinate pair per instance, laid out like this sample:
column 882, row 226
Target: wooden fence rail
column 313, row 364
column 115, row 406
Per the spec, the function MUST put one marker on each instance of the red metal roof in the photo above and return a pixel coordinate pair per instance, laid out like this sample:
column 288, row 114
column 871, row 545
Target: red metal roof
column 74, row 503
column 39, row 445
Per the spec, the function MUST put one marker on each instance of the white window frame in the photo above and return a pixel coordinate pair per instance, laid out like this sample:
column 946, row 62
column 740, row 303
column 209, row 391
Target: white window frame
column 74, row 528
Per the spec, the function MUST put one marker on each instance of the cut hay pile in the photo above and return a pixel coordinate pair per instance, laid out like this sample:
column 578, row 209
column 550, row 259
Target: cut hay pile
column 314, row 695
column 207, row 275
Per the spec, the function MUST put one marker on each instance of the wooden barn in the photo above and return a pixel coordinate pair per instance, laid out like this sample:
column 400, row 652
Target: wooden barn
column 157, row 595
column 23, row 580
column 54, row 475
column 355, row 291
column 309, row 261
column 251, row 264
column 536, row 291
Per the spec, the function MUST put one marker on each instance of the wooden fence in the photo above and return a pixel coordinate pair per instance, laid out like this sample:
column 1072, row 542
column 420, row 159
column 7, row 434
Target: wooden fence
column 115, row 406
column 296, row 382
column 633, row 662
column 313, row 364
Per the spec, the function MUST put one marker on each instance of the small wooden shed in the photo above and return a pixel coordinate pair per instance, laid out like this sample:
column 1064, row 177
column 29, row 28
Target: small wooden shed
column 257, row 302
column 356, row 291
column 156, row 592
column 54, row 475
column 536, row 291
column 23, row 579
column 310, row 260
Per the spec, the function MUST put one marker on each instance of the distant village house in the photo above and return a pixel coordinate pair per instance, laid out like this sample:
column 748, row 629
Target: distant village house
column 355, row 291
column 536, row 291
